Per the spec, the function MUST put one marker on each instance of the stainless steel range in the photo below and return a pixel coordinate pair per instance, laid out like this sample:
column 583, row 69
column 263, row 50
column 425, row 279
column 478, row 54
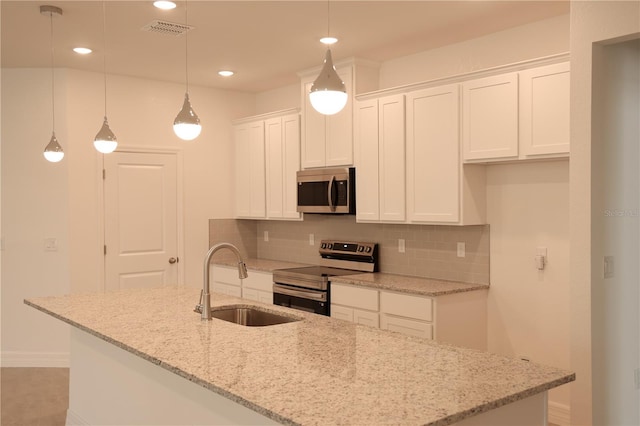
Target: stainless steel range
column 308, row 288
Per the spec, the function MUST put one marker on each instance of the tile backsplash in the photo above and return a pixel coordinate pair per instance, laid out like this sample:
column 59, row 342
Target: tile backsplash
column 430, row 250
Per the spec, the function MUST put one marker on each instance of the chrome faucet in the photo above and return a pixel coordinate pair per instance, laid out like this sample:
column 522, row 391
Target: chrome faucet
column 204, row 307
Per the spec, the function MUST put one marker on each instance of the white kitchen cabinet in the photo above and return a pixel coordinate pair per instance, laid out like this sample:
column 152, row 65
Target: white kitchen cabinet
column 544, row 110
column 355, row 304
column 258, row 286
column 282, row 141
column 380, row 159
column 519, row 115
column 225, row 280
column 327, row 140
column 267, row 159
column 490, row 117
column 439, row 188
column 458, row 318
column 250, row 170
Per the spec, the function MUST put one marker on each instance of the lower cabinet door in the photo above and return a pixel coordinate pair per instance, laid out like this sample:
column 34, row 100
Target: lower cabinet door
column 406, row 326
column 341, row 312
column 258, row 295
column 372, row 319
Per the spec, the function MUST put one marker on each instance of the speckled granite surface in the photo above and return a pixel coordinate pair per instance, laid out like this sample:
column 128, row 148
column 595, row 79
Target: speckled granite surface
column 404, row 284
column 317, row 371
column 380, row 281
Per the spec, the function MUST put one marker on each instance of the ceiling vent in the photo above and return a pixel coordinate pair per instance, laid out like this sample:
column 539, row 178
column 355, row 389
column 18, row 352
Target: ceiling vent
column 164, row 27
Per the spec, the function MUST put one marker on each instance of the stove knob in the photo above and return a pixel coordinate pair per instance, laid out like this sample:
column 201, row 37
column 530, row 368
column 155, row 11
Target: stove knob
column 360, row 248
column 368, row 249
column 330, row 246
column 323, row 245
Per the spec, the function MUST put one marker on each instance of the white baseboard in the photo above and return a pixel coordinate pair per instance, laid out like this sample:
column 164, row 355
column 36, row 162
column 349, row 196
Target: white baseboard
column 75, row 420
column 34, row 359
column 559, row 414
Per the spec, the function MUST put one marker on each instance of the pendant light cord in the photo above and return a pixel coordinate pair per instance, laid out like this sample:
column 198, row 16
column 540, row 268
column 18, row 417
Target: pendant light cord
column 186, row 45
column 53, row 92
column 104, row 53
column 328, row 19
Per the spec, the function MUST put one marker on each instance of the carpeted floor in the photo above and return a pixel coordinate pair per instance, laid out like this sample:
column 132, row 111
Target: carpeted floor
column 34, row 396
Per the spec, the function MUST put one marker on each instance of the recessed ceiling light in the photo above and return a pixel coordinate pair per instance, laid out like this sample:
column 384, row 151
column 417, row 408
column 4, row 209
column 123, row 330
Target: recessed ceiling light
column 226, row 73
column 164, row 5
column 82, row 50
column 328, row 40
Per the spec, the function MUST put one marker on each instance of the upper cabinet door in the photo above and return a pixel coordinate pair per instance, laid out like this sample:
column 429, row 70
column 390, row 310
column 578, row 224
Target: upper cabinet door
column 243, row 180
column 433, row 155
column 490, row 117
column 391, row 152
column 544, row 109
column 291, row 165
column 313, row 138
column 257, row 169
column 366, row 158
column 339, row 127
column 274, row 166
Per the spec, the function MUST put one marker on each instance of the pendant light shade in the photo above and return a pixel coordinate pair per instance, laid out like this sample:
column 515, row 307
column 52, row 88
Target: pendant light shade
column 53, row 151
column 187, row 124
column 328, row 94
column 105, row 141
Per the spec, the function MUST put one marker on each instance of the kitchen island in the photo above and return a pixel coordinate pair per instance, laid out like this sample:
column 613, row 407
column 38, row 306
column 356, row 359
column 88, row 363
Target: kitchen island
column 144, row 357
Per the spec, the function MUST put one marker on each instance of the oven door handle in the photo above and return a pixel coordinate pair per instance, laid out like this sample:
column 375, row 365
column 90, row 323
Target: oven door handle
column 319, row 296
column 332, row 181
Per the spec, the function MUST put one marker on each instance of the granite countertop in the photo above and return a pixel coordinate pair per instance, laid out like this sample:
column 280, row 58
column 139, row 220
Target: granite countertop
column 377, row 280
column 316, row 371
column 406, row 284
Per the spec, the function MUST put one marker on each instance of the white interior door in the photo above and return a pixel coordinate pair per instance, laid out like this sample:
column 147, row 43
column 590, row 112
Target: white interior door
column 141, row 220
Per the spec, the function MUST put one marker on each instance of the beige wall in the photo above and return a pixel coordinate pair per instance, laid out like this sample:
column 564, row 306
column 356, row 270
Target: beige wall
column 42, row 200
column 591, row 22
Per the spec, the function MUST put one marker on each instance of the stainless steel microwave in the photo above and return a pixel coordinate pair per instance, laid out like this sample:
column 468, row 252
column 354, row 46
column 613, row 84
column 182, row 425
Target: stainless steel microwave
column 330, row 191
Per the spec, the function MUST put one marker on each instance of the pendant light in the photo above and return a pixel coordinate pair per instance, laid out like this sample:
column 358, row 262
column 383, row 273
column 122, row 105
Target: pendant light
column 53, row 151
column 328, row 94
column 187, row 124
column 105, row 141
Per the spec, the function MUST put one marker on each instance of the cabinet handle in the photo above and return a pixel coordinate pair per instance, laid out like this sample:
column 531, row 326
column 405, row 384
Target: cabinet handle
column 330, row 193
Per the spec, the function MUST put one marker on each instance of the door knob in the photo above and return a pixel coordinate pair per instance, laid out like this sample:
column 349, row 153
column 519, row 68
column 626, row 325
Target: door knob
column 173, row 260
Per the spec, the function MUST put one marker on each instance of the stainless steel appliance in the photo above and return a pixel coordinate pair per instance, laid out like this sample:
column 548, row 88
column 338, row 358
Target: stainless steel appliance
column 327, row 191
column 308, row 288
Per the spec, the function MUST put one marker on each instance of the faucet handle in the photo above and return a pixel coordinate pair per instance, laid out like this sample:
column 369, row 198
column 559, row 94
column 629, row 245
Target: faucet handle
column 198, row 307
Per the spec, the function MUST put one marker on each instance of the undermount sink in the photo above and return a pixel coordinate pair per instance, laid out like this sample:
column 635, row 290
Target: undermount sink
column 250, row 316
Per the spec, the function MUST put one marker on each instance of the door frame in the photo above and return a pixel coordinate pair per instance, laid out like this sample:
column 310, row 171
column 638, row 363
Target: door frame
column 179, row 206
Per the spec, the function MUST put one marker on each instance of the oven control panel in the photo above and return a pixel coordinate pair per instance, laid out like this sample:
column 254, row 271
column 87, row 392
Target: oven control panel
column 338, row 248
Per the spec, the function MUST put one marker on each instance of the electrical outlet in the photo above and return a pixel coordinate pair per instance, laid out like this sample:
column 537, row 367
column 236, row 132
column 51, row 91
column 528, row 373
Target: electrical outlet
column 609, row 267
column 50, row 244
column 636, row 378
column 266, row 236
column 401, row 247
column 312, row 239
column 461, row 249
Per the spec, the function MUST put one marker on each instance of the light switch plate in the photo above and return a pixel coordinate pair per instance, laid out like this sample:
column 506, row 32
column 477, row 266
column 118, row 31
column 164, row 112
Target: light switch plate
column 461, row 249
column 266, row 236
column 401, row 247
column 312, row 239
column 50, row 244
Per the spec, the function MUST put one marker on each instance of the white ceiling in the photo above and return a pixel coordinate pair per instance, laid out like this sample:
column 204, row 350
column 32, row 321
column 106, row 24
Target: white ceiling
column 265, row 42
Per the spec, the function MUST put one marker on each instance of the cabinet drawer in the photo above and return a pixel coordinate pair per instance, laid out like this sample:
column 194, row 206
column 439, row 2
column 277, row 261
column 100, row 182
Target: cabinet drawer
column 223, row 274
column 406, row 306
column 258, row 295
column 228, row 289
column 362, row 298
column 259, row 281
column 406, row 326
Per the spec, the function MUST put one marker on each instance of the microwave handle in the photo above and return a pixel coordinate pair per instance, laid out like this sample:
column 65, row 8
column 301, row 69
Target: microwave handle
column 332, row 207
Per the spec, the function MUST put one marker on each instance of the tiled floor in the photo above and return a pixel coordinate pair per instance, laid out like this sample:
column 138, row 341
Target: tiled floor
column 34, row 396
